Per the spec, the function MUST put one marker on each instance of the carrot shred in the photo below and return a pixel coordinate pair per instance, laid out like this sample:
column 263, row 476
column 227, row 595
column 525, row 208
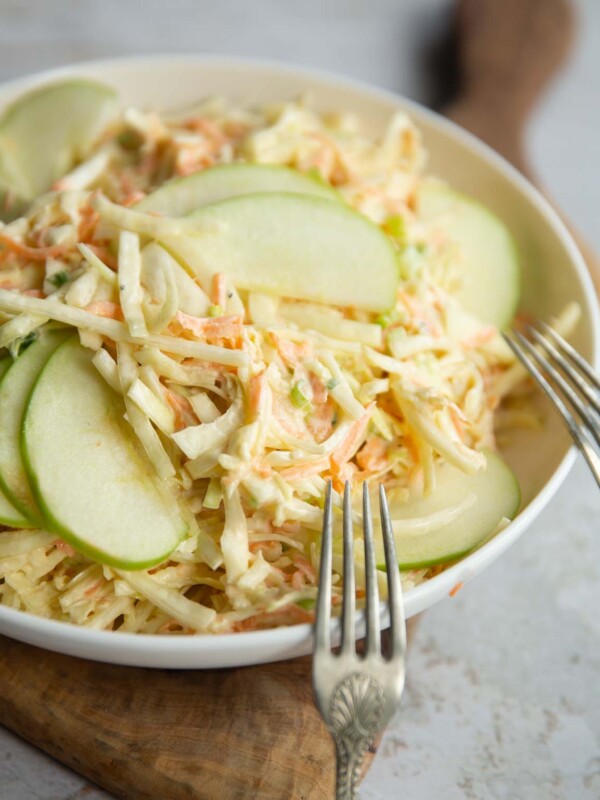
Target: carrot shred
column 456, row 589
column 352, row 441
column 293, row 354
column 182, row 410
column 105, row 308
column 305, row 470
column 256, row 392
column 32, row 253
column 219, row 289
column 229, row 328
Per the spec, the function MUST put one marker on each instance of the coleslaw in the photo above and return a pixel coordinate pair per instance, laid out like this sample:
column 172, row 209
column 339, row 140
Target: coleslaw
column 247, row 403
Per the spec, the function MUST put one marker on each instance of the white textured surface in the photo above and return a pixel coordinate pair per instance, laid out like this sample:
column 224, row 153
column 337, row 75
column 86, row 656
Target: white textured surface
column 503, row 681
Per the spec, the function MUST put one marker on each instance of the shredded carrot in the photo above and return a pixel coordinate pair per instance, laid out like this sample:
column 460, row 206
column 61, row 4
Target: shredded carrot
column 206, row 127
column 305, row 470
column 339, row 475
column 291, row 352
column 298, row 580
column 34, row 293
column 456, row 589
column 31, row 253
column 289, row 417
column 371, row 457
column 353, row 439
column 207, row 327
column 256, row 392
column 132, row 198
column 105, row 308
column 182, row 410
column 320, row 421
column 319, row 389
column 87, row 226
column 219, row 289
column 104, row 255
column 304, row 566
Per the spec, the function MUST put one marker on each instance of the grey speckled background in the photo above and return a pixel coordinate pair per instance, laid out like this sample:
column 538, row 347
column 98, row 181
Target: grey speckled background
column 502, row 698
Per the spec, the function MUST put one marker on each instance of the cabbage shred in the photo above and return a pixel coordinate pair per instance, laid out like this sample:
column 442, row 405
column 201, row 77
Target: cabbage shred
column 245, row 404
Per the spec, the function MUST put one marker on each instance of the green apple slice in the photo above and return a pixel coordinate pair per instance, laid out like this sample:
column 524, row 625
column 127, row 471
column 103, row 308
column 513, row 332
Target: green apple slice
column 93, row 484
column 8, row 513
column 491, row 275
column 292, row 245
column 181, row 196
column 487, row 496
column 14, row 391
column 47, row 131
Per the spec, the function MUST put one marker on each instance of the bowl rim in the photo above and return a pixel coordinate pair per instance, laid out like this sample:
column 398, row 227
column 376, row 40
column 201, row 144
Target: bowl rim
column 154, row 650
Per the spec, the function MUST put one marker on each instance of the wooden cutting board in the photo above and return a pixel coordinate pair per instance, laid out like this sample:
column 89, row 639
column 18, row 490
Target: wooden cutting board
column 254, row 732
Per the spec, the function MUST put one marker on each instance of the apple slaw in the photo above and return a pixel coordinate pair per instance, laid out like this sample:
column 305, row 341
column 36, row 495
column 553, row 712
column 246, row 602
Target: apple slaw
column 247, row 403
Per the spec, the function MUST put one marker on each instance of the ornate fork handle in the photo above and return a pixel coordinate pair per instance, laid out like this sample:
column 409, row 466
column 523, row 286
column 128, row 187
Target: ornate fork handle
column 355, row 718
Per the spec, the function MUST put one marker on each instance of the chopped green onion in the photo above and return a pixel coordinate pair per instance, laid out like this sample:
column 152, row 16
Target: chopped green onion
column 307, row 603
column 299, row 397
column 214, row 494
column 59, row 278
column 387, row 319
column 215, row 311
column 396, row 226
column 331, row 384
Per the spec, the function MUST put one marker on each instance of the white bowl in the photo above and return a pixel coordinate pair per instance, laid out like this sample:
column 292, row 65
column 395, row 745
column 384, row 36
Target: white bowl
column 554, row 272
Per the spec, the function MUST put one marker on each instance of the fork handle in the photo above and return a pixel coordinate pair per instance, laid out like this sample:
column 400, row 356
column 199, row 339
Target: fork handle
column 356, row 717
column 350, row 753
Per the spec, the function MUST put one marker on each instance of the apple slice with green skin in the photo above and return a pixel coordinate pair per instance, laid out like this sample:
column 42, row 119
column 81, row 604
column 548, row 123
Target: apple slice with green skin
column 8, row 513
column 491, row 274
column 47, row 131
column 94, row 485
column 181, row 196
column 292, row 245
column 14, row 391
column 487, row 496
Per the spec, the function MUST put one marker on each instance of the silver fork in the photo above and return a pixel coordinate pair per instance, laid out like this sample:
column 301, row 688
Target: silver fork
column 356, row 695
column 568, row 380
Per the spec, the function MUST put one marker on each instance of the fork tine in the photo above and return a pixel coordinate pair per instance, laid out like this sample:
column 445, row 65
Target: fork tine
column 562, row 384
column 371, row 588
column 397, row 621
column 578, row 433
column 567, row 368
column 567, row 348
column 349, row 596
column 323, row 615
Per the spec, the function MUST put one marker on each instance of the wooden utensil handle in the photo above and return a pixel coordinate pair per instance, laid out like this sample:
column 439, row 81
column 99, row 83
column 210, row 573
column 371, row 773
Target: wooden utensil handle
column 507, row 51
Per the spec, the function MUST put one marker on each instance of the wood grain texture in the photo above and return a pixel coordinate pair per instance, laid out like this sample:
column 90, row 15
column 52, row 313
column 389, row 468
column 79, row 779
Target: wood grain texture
column 174, row 735
column 508, row 51
column 146, row 734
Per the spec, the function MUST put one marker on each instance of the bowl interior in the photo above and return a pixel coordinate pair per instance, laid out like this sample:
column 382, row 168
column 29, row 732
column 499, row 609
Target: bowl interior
column 553, row 273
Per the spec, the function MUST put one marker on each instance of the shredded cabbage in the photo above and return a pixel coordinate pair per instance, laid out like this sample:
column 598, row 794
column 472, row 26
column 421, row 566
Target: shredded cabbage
column 247, row 404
